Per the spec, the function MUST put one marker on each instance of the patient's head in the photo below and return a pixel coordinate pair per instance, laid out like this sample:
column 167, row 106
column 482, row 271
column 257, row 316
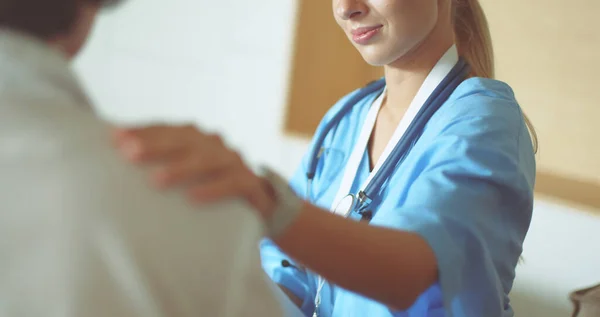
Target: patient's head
column 64, row 24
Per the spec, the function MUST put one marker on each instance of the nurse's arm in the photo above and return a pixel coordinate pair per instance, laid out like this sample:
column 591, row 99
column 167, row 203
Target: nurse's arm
column 362, row 258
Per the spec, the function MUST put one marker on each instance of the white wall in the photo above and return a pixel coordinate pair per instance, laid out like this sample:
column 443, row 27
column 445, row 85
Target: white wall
column 219, row 63
column 224, row 64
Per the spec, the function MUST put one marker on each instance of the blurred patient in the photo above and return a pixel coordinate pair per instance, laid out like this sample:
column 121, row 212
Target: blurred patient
column 81, row 234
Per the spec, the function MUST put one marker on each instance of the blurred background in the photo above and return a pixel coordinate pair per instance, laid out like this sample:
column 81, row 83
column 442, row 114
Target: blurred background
column 229, row 66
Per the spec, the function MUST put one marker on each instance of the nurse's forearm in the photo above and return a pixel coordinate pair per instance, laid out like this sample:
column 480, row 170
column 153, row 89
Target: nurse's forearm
column 389, row 266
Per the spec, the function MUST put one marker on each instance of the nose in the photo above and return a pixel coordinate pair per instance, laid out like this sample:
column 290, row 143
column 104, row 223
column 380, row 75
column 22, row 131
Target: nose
column 349, row 9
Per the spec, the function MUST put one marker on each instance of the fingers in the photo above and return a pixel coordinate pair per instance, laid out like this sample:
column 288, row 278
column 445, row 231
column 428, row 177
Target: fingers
column 196, row 167
column 201, row 162
column 157, row 142
column 156, row 132
column 185, row 154
column 233, row 183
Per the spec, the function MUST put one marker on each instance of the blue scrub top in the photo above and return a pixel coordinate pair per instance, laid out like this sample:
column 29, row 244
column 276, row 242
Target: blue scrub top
column 466, row 187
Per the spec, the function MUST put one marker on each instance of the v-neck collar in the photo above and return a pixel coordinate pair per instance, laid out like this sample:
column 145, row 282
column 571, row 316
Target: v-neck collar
column 356, row 159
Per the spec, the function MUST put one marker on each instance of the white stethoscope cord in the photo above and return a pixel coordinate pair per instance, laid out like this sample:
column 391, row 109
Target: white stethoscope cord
column 321, row 283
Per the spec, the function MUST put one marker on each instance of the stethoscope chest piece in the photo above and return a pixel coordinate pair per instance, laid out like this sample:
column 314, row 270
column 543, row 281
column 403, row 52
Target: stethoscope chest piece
column 345, row 206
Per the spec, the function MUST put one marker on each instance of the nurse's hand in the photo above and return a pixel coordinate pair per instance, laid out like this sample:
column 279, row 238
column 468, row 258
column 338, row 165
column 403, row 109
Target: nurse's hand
column 200, row 162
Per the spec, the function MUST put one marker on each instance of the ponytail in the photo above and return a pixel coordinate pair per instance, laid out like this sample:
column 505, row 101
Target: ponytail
column 473, row 38
column 474, row 43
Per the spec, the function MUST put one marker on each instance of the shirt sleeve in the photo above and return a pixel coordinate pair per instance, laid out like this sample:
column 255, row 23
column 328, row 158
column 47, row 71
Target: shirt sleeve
column 472, row 202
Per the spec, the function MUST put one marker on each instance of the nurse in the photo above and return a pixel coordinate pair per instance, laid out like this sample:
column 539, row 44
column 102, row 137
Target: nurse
column 444, row 232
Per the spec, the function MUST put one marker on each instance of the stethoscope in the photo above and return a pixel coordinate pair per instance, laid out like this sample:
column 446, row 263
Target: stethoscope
column 360, row 203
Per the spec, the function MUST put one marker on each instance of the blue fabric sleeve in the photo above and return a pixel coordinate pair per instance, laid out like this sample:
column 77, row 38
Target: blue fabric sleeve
column 472, row 202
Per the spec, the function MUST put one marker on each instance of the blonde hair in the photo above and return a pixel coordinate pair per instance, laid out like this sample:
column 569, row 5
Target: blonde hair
column 474, row 43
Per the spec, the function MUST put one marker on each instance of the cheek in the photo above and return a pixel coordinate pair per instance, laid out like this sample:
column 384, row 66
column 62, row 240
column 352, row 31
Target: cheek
column 413, row 19
column 406, row 23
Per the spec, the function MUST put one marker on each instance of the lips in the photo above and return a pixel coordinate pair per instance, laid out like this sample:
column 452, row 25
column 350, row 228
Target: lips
column 362, row 35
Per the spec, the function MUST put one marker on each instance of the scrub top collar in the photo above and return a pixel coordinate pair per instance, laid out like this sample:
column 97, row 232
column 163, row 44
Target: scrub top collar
column 435, row 77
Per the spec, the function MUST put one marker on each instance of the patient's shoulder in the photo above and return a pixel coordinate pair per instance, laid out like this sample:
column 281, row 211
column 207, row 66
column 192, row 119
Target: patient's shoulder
column 65, row 147
column 65, row 186
column 91, row 162
column 177, row 243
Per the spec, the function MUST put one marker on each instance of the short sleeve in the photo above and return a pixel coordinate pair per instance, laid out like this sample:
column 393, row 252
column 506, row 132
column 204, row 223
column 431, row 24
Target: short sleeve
column 472, row 202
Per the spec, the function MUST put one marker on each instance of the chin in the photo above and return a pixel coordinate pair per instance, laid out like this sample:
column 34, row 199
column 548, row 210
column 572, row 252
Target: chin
column 377, row 57
column 374, row 61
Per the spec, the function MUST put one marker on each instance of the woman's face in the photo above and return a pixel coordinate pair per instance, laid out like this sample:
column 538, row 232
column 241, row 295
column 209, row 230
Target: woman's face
column 383, row 31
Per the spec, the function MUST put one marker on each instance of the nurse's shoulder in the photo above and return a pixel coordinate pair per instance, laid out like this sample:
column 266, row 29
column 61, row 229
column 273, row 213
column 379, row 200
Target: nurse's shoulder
column 485, row 113
column 486, row 99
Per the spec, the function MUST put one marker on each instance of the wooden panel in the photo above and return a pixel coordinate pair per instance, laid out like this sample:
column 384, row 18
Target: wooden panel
column 325, row 67
column 548, row 51
column 569, row 190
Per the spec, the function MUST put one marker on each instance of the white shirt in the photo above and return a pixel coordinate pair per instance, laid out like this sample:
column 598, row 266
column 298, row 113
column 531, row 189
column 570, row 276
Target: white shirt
column 81, row 232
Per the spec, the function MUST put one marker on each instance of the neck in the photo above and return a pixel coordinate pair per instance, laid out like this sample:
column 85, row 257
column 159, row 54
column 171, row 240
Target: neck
column 405, row 76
